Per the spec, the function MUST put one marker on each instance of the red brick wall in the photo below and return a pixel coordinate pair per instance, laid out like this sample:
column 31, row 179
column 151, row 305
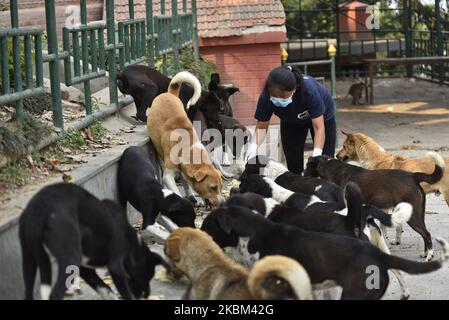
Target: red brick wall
column 247, row 67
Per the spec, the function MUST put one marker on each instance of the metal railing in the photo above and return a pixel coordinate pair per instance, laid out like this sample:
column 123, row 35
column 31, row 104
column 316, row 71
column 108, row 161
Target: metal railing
column 89, row 51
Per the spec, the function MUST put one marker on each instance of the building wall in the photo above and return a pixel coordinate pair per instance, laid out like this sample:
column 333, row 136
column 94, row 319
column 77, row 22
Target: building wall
column 245, row 65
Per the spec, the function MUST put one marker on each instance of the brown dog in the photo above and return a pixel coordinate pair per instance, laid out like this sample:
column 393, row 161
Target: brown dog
column 360, row 147
column 215, row 276
column 178, row 145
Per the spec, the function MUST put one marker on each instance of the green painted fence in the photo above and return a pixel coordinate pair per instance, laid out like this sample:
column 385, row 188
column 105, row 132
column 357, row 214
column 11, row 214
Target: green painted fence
column 91, row 50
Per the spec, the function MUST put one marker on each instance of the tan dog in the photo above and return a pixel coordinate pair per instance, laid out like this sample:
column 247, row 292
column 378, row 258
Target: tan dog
column 178, row 145
column 361, row 148
column 215, row 276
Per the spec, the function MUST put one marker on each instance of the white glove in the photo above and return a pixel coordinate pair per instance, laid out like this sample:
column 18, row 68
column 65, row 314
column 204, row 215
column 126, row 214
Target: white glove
column 251, row 151
column 317, row 152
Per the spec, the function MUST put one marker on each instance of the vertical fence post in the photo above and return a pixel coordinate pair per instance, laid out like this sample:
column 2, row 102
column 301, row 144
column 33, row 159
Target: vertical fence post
column 408, row 34
column 150, row 32
column 337, row 17
column 439, row 39
column 196, row 49
column 17, row 65
column 85, row 57
column 175, row 32
column 110, row 25
column 332, row 53
column 54, row 63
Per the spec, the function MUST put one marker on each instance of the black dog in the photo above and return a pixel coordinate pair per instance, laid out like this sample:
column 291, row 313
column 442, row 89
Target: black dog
column 325, row 256
column 138, row 185
column 384, row 189
column 351, row 223
column 269, row 189
column 325, row 190
column 144, row 84
column 83, row 232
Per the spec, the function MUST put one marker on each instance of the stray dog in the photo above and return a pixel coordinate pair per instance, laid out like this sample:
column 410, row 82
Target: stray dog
column 384, row 189
column 361, row 148
column 80, row 230
column 356, row 221
column 325, row 256
column 356, row 91
column 214, row 276
column 138, row 185
column 270, row 189
column 351, row 223
column 144, row 84
column 178, row 145
column 325, row 190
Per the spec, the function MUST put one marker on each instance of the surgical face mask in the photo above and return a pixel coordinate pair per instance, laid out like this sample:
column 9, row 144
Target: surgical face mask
column 280, row 102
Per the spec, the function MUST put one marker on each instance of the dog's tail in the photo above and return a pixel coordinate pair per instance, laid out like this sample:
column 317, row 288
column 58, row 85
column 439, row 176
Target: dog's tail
column 354, row 202
column 266, row 275
column 122, row 83
column 401, row 214
column 187, row 77
column 415, row 267
column 436, row 175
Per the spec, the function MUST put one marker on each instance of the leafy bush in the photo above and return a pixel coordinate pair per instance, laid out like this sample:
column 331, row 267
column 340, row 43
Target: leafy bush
column 202, row 70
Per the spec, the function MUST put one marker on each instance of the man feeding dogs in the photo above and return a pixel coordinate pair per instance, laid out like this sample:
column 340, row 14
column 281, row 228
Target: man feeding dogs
column 302, row 104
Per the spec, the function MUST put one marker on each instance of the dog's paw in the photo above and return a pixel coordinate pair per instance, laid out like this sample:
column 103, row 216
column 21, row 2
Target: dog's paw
column 405, row 296
column 428, row 255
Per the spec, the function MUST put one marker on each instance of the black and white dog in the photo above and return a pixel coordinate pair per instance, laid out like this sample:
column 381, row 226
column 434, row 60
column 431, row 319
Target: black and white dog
column 138, row 185
column 83, row 232
column 356, row 221
column 325, row 190
column 269, row 189
column 384, row 189
column 325, row 256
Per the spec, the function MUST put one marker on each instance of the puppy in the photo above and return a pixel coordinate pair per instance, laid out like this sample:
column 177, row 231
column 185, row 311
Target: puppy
column 325, row 190
column 359, row 147
column 356, row 91
column 384, row 189
column 325, row 256
column 81, row 231
column 215, row 276
column 270, row 189
column 138, row 185
column 178, row 145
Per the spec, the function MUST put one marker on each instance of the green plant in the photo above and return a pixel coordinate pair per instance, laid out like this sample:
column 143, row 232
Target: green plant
column 13, row 175
column 202, row 70
column 98, row 130
column 73, row 140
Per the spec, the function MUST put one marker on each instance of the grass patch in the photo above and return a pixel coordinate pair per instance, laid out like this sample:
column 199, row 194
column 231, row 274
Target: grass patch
column 98, row 131
column 14, row 175
column 16, row 137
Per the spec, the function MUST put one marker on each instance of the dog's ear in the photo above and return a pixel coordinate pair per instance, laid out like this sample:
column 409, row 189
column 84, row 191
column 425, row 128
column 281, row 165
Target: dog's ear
column 173, row 248
column 199, row 175
column 215, row 77
column 214, row 82
column 345, row 133
column 226, row 222
column 232, row 90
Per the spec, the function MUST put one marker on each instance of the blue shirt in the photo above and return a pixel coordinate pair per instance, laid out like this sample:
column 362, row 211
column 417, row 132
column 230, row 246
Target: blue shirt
column 316, row 102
